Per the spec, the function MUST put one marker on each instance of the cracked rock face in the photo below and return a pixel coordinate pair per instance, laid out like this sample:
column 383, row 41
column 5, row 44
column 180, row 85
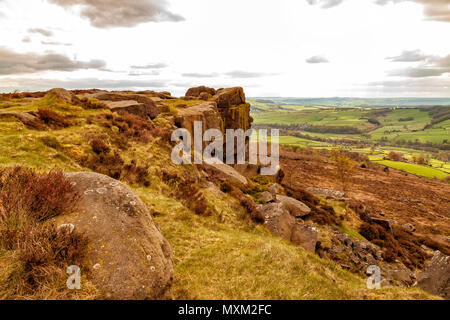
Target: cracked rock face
column 128, row 258
column 436, row 276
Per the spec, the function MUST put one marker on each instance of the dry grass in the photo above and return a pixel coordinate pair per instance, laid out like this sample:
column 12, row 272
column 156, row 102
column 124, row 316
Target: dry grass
column 41, row 251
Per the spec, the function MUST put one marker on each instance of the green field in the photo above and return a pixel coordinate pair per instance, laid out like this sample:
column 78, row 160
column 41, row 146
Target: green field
column 388, row 127
column 413, row 168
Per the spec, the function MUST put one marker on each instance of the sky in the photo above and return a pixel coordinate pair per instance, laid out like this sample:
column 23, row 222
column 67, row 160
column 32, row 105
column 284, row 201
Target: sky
column 272, row 48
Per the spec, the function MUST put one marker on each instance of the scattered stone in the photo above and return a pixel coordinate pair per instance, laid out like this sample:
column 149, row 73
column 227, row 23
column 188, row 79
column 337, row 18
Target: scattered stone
column 267, row 197
column 275, row 189
column 327, row 193
column 410, row 227
column 280, row 222
column 296, row 208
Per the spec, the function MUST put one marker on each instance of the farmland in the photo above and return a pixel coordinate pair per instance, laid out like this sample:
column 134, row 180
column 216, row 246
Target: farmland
column 410, row 127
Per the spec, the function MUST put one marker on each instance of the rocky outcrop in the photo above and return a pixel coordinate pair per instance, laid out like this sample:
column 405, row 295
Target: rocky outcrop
column 143, row 106
column 206, row 112
column 436, row 276
column 197, row 92
column 280, row 222
column 165, row 95
column 64, row 96
column 128, row 257
column 229, row 97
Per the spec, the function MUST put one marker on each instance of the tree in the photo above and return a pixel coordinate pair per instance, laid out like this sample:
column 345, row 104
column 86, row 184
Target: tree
column 394, row 156
column 344, row 167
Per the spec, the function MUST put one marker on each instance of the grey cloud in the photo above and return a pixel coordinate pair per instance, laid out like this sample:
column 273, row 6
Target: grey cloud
column 419, row 72
column 236, row 74
column 25, row 63
column 437, row 10
column 119, row 13
column 325, row 3
column 39, row 84
column 245, row 74
column 409, row 56
column 430, row 66
column 317, row 59
column 151, row 66
column 412, row 87
column 45, row 33
column 200, row 75
column 55, row 43
column 138, row 74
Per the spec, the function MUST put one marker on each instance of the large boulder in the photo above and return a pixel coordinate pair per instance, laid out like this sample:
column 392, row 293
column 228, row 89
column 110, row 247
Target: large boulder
column 129, row 106
column 144, row 105
column 305, row 236
column 196, row 92
column 280, row 222
column 128, row 257
column 63, row 95
column 25, row 117
column 230, row 97
column 436, row 276
column 225, row 171
column 296, row 208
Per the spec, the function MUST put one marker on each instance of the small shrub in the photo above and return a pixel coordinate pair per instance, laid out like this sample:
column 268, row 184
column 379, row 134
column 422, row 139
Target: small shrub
column 99, row 146
column 131, row 126
column 42, row 196
column 52, row 119
column 92, row 104
column 27, row 199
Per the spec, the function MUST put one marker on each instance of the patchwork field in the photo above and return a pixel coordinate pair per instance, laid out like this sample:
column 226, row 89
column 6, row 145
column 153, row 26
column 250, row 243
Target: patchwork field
column 413, row 128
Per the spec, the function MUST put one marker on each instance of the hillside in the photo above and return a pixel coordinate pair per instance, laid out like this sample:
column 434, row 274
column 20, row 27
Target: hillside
column 210, row 235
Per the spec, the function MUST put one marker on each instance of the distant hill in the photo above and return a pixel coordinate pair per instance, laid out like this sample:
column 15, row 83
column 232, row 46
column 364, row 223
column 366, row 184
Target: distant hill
column 358, row 102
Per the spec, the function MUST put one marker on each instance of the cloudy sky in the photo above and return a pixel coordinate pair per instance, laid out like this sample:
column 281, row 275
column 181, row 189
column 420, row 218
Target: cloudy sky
column 291, row 48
